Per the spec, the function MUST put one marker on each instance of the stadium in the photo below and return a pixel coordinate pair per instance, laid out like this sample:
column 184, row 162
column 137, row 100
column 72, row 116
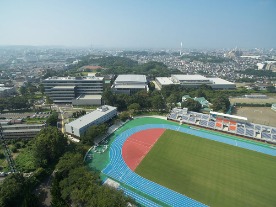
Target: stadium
column 176, row 163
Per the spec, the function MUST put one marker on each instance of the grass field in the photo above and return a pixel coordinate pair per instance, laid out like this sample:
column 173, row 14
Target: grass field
column 213, row 173
column 258, row 115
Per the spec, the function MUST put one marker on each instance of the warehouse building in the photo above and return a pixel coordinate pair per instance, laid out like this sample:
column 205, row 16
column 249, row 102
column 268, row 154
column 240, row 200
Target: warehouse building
column 130, row 84
column 79, row 126
column 194, row 81
column 74, row 89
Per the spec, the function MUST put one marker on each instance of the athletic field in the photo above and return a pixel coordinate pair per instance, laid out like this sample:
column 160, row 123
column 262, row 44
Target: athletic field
column 211, row 172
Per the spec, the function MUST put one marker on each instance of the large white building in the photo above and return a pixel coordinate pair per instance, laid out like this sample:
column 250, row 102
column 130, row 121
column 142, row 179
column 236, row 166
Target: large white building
column 129, row 84
column 79, row 126
column 194, row 81
column 74, row 89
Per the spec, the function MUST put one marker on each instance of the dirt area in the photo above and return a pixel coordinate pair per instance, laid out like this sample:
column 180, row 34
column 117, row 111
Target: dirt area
column 270, row 100
column 258, row 115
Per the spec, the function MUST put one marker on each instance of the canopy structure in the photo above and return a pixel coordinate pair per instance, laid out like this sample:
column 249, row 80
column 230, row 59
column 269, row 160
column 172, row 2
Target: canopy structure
column 229, row 116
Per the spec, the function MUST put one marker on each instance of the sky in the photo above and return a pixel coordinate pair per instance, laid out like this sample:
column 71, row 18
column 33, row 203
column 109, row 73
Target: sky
column 139, row 23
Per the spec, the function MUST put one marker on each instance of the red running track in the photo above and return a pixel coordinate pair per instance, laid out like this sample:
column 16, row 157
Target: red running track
column 138, row 145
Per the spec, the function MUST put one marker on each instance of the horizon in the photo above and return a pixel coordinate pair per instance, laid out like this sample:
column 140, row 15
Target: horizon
column 139, row 25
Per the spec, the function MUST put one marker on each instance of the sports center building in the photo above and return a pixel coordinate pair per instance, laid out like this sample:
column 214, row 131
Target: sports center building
column 129, row 84
column 194, row 81
column 76, row 90
column 79, row 126
column 224, row 122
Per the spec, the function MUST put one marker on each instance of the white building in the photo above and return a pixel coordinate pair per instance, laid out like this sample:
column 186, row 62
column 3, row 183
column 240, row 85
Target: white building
column 129, row 84
column 79, row 126
column 194, row 81
column 66, row 89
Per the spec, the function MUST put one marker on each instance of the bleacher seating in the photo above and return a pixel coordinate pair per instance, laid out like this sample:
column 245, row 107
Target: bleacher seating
column 192, row 119
column 211, row 124
column 249, row 132
column 249, row 125
column 203, row 123
column 274, row 137
column 204, row 116
column 232, row 128
column 173, row 116
column 240, row 130
column 273, row 130
column 266, row 135
column 219, row 125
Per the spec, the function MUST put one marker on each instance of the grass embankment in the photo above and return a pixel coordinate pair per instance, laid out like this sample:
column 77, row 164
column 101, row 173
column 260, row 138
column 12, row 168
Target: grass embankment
column 213, row 173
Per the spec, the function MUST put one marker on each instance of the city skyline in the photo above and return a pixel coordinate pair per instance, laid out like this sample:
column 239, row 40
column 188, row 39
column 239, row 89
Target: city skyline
column 139, row 24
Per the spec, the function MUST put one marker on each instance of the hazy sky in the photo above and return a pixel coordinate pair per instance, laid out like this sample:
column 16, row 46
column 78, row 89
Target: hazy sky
column 139, row 23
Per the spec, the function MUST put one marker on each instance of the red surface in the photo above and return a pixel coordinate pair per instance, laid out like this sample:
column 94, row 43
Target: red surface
column 138, row 145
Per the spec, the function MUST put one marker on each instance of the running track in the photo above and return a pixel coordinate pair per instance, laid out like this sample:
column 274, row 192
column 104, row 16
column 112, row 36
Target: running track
column 118, row 170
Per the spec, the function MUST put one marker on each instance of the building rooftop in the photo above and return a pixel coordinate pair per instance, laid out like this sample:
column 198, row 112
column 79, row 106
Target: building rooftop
column 74, row 78
column 131, row 78
column 219, row 81
column 189, row 77
column 129, row 86
column 164, row 80
column 89, row 97
column 63, row 87
column 92, row 116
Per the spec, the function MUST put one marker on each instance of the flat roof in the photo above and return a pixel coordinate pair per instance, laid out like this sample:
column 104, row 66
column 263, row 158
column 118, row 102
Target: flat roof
column 220, row 81
column 228, row 115
column 63, row 87
column 74, row 78
column 23, row 125
column 164, row 80
column 129, row 86
column 90, row 97
column 131, row 78
column 92, row 116
column 190, row 77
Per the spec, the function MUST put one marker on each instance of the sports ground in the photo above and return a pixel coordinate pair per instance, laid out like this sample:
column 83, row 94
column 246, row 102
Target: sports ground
column 161, row 163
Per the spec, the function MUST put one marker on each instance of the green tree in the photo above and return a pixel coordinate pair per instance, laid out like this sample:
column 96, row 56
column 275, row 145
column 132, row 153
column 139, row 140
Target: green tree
column 192, row 105
column 52, row 119
column 135, row 107
column 221, row 103
column 48, row 146
column 124, row 116
column 93, row 132
column 157, row 102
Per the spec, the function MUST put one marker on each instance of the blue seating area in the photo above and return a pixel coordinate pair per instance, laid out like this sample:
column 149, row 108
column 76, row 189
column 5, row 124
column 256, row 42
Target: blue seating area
column 192, row 119
column 274, row 136
column 258, row 127
column 203, row 122
column 185, row 118
column 249, row 126
column 265, row 135
column 240, row 130
column 173, row 116
column 273, row 130
column 205, row 117
column 211, row 124
column 249, row 132
column 139, row 199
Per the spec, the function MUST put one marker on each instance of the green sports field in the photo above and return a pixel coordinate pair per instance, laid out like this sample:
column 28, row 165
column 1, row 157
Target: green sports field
column 213, row 173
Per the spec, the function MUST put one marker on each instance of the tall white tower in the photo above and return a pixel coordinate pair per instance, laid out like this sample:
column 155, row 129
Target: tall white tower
column 180, row 48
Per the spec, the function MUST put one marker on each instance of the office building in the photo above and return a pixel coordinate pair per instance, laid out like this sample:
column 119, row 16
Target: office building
column 79, row 126
column 74, row 89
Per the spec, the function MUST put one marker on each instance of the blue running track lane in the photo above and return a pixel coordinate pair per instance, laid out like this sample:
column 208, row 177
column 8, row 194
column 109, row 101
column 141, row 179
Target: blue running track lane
column 118, row 170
